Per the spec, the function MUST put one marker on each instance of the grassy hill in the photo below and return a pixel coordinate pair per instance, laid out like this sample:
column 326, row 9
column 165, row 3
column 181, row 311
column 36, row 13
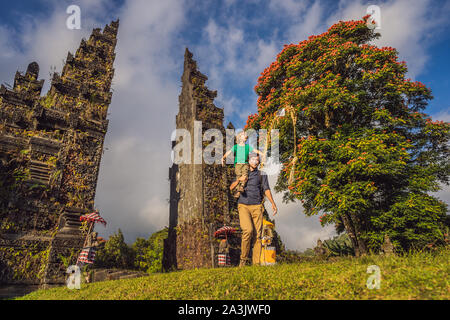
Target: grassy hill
column 413, row 276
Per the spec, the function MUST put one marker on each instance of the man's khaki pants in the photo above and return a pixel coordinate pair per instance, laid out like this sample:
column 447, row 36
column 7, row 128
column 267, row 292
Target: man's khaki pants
column 251, row 221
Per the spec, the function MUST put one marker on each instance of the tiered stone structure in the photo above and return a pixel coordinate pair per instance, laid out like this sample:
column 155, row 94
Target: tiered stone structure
column 200, row 202
column 50, row 152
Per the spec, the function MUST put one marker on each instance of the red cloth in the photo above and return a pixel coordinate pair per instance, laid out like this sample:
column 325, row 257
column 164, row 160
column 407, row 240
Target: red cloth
column 224, row 259
column 87, row 255
column 224, row 230
column 93, row 217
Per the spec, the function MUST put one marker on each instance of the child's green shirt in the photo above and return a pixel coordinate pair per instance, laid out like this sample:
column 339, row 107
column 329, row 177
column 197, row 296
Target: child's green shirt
column 241, row 153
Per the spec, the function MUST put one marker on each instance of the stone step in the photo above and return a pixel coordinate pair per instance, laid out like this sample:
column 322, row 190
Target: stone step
column 131, row 276
column 116, row 275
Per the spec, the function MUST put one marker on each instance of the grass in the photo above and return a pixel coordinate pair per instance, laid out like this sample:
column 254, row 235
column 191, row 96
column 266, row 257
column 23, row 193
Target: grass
column 422, row 275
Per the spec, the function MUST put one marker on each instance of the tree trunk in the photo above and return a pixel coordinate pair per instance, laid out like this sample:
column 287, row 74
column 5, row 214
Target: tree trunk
column 353, row 232
column 357, row 228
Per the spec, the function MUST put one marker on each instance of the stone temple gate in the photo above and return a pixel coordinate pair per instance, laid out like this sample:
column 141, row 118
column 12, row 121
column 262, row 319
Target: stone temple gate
column 50, row 152
column 200, row 201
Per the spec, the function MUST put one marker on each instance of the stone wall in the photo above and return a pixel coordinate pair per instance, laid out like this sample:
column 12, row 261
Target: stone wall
column 50, row 153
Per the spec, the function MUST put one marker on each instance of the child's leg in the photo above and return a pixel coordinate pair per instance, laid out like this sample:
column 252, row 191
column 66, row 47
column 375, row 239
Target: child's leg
column 237, row 171
column 241, row 170
column 244, row 172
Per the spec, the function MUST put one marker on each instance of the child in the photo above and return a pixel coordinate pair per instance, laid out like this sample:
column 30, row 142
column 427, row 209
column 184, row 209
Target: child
column 241, row 152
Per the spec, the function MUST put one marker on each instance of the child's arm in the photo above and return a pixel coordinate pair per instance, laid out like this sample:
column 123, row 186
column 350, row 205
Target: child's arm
column 226, row 155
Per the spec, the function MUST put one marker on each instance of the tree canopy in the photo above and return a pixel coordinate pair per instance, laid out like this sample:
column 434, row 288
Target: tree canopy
column 354, row 142
column 143, row 255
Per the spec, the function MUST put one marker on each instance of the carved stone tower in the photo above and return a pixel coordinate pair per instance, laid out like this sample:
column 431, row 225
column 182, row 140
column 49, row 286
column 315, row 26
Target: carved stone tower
column 50, row 152
column 199, row 198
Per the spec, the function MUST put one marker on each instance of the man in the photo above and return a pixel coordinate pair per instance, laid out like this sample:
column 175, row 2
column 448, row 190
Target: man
column 250, row 208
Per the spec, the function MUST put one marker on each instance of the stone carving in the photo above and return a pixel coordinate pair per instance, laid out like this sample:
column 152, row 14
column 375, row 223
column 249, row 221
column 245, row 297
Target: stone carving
column 387, row 248
column 320, row 250
column 92, row 240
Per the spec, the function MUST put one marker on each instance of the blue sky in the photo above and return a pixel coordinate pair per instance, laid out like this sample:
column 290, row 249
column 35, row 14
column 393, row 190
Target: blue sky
column 232, row 41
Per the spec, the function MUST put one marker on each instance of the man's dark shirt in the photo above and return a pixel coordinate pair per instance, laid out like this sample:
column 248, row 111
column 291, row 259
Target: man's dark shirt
column 252, row 192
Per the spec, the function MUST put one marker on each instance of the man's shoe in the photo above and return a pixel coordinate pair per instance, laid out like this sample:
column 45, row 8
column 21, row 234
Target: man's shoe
column 242, row 263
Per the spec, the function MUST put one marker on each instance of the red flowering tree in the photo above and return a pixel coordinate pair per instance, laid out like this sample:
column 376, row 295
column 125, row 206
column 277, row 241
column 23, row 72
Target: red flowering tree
column 355, row 146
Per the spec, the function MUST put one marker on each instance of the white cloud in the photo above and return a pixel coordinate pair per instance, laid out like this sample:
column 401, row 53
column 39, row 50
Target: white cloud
column 266, row 52
column 7, row 51
column 229, row 3
column 150, row 214
column 442, row 116
column 297, row 231
column 291, row 8
column 223, row 46
column 309, row 23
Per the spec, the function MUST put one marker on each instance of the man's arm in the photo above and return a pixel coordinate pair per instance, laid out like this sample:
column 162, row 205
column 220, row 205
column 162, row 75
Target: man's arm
column 268, row 194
